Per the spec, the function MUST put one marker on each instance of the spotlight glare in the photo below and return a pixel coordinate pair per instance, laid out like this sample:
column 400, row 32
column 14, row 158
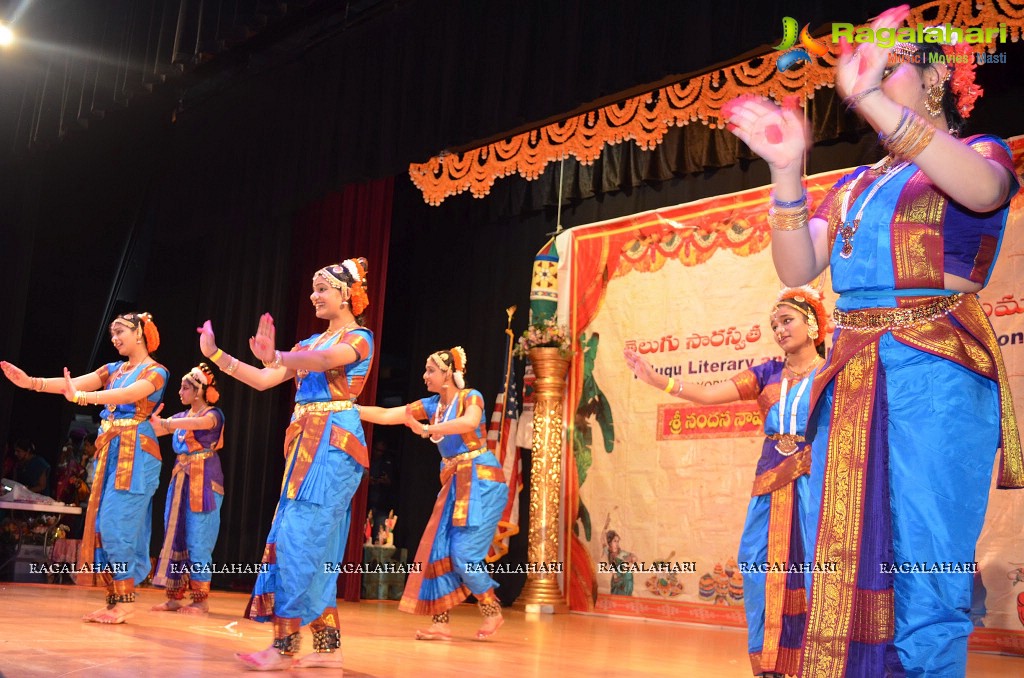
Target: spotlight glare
column 6, row 36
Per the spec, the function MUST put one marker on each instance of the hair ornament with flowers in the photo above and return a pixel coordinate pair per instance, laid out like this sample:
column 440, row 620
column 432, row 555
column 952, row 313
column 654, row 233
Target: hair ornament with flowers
column 459, row 363
column 806, row 294
column 961, row 61
column 202, row 378
column 149, row 332
column 453, row 359
column 357, row 268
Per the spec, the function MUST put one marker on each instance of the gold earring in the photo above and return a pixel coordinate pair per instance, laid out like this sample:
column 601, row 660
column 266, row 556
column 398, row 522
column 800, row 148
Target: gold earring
column 933, row 101
column 812, row 327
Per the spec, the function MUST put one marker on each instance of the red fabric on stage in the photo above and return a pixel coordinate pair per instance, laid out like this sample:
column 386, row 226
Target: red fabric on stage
column 352, row 222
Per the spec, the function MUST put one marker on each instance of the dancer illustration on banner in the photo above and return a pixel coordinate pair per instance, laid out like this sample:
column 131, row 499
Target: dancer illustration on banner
column 915, row 401
column 618, row 559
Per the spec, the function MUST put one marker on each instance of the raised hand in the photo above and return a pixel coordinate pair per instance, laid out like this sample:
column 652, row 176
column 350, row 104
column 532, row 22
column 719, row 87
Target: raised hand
column 16, row 375
column 69, row 387
column 780, row 135
column 207, row 340
column 861, row 69
column 640, row 367
column 263, row 345
column 154, row 418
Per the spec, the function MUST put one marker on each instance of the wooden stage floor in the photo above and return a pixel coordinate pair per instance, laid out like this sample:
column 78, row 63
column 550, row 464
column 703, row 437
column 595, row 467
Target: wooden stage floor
column 41, row 635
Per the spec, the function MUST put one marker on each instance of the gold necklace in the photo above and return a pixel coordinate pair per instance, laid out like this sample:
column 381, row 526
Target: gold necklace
column 126, row 367
column 848, row 227
column 797, row 376
column 441, row 415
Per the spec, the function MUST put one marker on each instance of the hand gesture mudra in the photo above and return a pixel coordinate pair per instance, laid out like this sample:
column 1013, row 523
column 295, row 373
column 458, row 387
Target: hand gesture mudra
column 860, row 69
column 154, row 419
column 207, row 340
column 779, row 134
column 69, row 388
column 16, row 375
column 263, row 344
column 640, row 367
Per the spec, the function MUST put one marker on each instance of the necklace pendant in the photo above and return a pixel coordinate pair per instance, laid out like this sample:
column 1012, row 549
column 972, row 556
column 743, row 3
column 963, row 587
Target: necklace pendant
column 786, row 446
column 846, row 232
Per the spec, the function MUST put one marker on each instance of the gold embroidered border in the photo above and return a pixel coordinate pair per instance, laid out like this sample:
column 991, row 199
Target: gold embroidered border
column 770, row 395
column 786, row 472
column 746, row 384
column 873, row 617
column 260, row 606
column 285, row 626
column 163, row 575
column 1011, row 464
column 916, row 235
column 327, row 618
column 780, row 526
column 831, row 615
column 796, row 602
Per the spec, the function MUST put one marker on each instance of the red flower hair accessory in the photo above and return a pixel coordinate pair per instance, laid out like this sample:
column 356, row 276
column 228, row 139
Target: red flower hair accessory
column 962, row 63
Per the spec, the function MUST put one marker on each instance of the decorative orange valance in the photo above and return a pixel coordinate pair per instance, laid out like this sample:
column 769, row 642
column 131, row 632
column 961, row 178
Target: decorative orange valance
column 646, row 118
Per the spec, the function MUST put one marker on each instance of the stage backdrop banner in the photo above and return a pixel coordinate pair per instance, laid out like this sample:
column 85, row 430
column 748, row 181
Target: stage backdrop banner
column 657, row 488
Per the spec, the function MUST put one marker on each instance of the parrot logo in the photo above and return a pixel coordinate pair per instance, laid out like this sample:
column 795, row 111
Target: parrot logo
column 808, row 45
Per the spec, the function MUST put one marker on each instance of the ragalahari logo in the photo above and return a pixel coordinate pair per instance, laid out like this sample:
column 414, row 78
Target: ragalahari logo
column 789, row 38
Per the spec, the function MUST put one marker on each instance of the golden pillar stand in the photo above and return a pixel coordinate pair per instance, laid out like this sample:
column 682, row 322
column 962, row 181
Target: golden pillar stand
column 541, row 593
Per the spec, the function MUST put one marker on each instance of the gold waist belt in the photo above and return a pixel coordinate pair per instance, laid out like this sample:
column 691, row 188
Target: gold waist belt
column 459, row 458
column 323, row 406
column 196, row 456
column 895, row 318
column 789, row 437
column 120, row 423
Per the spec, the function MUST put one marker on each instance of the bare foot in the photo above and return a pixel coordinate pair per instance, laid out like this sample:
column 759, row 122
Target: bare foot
column 195, row 609
column 489, row 627
column 116, row 614
column 95, row 613
column 167, row 606
column 321, row 660
column 435, row 632
column 265, row 660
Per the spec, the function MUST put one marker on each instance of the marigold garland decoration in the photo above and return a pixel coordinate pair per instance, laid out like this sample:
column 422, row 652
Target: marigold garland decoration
column 645, row 119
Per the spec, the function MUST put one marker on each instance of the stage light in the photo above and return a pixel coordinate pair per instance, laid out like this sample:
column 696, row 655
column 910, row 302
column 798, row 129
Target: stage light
column 6, row 36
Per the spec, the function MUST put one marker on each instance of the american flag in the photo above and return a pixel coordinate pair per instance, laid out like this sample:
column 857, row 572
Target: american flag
column 501, row 440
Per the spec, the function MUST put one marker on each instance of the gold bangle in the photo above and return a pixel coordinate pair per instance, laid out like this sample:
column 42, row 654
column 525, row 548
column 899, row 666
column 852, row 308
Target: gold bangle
column 80, row 398
column 786, row 220
column 919, row 133
column 217, row 355
column 670, row 385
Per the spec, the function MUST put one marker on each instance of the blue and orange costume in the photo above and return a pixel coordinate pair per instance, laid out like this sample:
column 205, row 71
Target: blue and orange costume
column 325, row 457
column 192, row 509
column 909, row 412
column 465, row 517
column 118, row 520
